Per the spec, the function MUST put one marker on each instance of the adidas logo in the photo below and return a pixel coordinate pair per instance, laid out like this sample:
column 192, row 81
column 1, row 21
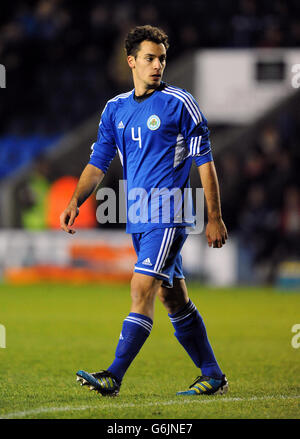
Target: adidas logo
column 147, row 261
column 121, row 337
column 121, row 125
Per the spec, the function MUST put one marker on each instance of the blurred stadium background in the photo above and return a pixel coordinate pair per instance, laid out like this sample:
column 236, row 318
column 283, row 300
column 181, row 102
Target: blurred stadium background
column 64, row 59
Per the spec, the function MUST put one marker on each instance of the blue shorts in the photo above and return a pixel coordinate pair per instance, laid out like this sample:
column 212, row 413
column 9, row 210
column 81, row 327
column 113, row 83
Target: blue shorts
column 158, row 253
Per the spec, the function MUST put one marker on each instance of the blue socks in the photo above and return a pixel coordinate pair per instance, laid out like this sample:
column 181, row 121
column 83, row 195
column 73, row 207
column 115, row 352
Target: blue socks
column 136, row 328
column 191, row 333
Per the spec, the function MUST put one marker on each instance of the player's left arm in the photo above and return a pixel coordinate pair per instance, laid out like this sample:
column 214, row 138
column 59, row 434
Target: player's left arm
column 196, row 134
column 216, row 232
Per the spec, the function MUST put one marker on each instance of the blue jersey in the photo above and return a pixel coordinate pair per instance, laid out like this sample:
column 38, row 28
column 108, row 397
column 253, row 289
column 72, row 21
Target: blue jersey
column 156, row 139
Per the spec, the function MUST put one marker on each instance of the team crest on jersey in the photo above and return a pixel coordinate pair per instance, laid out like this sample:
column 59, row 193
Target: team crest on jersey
column 153, row 123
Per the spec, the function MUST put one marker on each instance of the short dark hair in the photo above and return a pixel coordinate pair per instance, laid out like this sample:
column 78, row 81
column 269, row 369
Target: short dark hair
column 142, row 33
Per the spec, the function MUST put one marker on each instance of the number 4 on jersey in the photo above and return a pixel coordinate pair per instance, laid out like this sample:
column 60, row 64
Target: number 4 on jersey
column 138, row 138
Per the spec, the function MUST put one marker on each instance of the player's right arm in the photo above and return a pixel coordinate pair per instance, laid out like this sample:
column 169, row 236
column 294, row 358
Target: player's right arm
column 103, row 151
column 90, row 178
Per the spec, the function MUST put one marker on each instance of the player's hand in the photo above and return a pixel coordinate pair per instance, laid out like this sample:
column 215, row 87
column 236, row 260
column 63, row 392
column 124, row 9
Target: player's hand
column 67, row 218
column 216, row 233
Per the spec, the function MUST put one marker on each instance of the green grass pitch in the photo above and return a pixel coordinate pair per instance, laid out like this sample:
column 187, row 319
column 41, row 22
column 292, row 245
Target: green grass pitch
column 54, row 330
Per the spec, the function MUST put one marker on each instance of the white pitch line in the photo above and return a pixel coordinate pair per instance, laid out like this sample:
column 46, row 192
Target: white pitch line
column 179, row 401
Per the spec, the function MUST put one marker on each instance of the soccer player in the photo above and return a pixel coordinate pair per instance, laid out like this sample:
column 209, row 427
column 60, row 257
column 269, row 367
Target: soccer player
column 157, row 130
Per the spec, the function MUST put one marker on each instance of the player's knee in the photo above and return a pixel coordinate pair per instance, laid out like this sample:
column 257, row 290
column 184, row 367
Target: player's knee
column 172, row 304
column 173, row 298
column 165, row 296
column 143, row 290
column 142, row 295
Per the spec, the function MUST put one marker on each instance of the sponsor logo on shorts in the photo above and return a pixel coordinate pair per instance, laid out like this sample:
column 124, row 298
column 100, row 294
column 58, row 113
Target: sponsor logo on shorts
column 147, row 261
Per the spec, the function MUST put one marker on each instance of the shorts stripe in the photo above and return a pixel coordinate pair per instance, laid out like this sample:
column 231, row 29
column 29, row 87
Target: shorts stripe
column 161, row 248
column 168, row 248
column 164, row 249
column 151, row 271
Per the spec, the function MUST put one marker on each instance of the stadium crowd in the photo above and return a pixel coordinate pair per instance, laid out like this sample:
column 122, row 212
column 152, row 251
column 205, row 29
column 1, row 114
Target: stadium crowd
column 63, row 58
column 261, row 195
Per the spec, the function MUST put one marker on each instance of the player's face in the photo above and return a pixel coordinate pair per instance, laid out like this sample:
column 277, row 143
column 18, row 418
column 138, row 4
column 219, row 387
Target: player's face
column 148, row 66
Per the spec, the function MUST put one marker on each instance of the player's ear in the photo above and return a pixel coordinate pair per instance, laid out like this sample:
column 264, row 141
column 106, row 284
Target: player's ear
column 131, row 61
